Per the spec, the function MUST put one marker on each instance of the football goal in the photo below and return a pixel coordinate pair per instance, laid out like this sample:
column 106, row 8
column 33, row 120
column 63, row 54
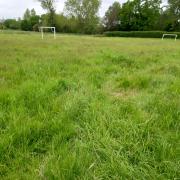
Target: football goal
column 53, row 29
column 172, row 35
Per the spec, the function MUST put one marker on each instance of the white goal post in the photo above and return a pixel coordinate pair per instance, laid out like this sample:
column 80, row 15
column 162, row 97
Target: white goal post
column 53, row 29
column 175, row 35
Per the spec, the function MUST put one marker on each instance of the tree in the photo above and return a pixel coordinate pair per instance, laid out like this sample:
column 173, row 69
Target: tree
column 150, row 14
column 1, row 26
column 25, row 25
column 140, row 14
column 66, row 24
column 174, row 12
column 112, row 17
column 49, row 5
column 33, row 12
column 175, row 7
column 86, row 12
column 30, row 21
column 12, row 24
column 27, row 15
column 129, row 15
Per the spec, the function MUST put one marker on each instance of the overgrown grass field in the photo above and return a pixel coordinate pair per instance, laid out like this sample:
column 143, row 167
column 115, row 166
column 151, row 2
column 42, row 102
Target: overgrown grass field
column 84, row 107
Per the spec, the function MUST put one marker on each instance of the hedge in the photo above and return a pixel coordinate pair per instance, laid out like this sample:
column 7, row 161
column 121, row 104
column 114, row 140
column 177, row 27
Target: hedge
column 139, row 34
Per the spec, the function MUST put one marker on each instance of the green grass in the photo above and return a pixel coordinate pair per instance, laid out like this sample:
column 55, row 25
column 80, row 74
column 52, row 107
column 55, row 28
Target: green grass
column 84, row 107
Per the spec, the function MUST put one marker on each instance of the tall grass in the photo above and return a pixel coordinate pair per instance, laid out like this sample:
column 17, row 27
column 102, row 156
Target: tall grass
column 84, row 107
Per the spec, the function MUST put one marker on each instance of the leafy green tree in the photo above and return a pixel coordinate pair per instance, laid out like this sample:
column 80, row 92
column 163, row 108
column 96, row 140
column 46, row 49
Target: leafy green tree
column 25, row 25
column 33, row 12
column 140, row 14
column 1, row 26
column 129, row 15
column 149, row 14
column 112, row 17
column 30, row 20
column 175, row 7
column 49, row 5
column 174, row 12
column 12, row 24
column 66, row 24
column 27, row 14
column 86, row 13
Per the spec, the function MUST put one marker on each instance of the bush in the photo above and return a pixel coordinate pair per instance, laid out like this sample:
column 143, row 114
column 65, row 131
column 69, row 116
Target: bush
column 1, row 26
column 12, row 24
column 25, row 25
column 30, row 24
column 66, row 25
column 36, row 27
column 140, row 34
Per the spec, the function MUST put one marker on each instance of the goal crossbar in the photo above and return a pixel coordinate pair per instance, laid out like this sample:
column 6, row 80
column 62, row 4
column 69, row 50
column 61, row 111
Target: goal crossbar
column 175, row 35
column 52, row 29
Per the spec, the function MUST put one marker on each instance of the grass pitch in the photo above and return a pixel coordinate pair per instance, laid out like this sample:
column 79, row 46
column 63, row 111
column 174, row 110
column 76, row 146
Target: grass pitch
column 83, row 107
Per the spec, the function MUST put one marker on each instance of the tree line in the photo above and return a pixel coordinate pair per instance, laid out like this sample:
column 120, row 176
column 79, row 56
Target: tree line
column 81, row 16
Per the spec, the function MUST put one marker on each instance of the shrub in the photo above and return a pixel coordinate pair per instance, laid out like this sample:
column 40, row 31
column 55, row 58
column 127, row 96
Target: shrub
column 12, row 24
column 140, row 34
column 36, row 27
column 25, row 25
column 1, row 26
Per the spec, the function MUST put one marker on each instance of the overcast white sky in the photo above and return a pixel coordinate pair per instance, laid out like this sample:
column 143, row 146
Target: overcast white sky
column 16, row 8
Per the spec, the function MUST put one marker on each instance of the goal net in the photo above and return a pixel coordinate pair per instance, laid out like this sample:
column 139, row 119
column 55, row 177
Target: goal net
column 44, row 29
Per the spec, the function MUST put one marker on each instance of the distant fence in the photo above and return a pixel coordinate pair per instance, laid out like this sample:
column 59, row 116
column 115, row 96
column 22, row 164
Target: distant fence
column 139, row 34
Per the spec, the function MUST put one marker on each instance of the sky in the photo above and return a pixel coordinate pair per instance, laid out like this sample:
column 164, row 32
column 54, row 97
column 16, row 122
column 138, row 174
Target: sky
column 16, row 8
